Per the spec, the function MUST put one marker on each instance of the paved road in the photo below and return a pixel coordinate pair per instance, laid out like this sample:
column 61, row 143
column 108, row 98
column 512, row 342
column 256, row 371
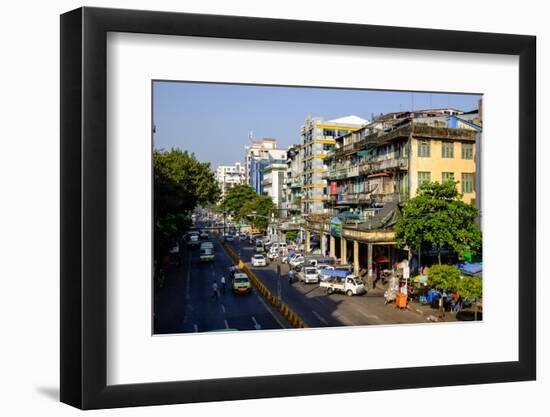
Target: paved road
column 186, row 304
column 317, row 308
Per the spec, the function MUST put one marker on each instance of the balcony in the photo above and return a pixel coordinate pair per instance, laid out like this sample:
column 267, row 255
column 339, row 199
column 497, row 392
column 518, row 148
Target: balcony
column 290, row 206
column 352, row 171
column 352, row 198
column 336, row 174
column 388, row 164
column 295, row 183
column 387, row 197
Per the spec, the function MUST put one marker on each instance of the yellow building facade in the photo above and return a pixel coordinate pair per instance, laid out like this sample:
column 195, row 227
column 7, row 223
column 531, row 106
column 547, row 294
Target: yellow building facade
column 439, row 160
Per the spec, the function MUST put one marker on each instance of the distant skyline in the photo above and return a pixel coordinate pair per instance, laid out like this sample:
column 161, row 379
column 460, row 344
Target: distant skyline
column 214, row 120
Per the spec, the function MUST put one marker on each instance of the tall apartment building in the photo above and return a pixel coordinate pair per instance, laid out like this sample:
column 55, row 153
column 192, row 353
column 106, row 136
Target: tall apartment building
column 257, row 150
column 387, row 160
column 292, row 186
column 318, row 138
column 229, row 176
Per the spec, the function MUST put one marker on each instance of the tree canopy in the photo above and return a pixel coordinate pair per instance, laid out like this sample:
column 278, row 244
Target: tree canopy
column 243, row 203
column 443, row 277
column 471, row 287
column 437, row 217
column 181, row 183
column 236, row 198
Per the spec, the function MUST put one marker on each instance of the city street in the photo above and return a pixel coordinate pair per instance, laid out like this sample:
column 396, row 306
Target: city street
column 186, row 304
column 318, row 309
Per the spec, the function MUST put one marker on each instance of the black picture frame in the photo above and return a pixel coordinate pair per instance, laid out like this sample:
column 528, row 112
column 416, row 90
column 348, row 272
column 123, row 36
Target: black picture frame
column 84, row 207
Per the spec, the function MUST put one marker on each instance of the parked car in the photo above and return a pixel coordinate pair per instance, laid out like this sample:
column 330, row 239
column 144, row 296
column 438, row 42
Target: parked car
column 289, row 257
column 242, row 236
column 228, row 238
column 308, row 275
column 258, row 260
column 296, row 261
column 351, row 285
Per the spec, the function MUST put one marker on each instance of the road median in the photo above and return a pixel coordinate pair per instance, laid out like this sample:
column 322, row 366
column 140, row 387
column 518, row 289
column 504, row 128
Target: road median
column 284, row 309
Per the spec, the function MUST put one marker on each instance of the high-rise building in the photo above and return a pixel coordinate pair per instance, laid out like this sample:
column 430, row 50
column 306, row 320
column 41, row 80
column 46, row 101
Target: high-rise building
column 318, row 139
column 257, row 150
column 228, row 176
column 258, row 165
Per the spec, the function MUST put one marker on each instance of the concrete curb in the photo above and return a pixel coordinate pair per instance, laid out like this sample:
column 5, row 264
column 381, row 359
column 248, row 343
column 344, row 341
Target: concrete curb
column 285, row 310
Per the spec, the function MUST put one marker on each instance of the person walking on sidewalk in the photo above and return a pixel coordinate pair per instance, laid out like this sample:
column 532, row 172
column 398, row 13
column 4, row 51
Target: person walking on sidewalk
column 290, row 276
column 222, row 281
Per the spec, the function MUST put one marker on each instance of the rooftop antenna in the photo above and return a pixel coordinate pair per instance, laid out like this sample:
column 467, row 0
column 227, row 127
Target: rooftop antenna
column 250, row 135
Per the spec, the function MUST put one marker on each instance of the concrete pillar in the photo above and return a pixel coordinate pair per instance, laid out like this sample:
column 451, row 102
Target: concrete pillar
column 332, row 246
column 343, row 251
column 356, row 257
column 308, row 241
column 369, row 261
column 370, row 274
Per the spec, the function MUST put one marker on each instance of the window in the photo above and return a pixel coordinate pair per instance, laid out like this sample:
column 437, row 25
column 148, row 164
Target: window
column 468, row 185
column 447, row 149
column 329, row 132
column 447, row 176
column 423, row 176
column 424, row 148
column 467, row 151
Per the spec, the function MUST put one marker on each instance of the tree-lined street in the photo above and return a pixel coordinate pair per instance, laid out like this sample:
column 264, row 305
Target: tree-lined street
column 186, row 304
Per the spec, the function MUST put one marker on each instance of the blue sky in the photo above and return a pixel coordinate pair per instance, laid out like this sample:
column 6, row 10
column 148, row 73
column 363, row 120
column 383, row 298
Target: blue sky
column 213, row 120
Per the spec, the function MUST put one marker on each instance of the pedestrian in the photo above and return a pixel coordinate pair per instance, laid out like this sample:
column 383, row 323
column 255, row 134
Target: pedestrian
column 215, row 290
column 222, row 280
column 442, row 304
column 290, row 276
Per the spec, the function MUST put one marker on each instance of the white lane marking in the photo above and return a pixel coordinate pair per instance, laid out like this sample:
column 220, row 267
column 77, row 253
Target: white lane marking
column 196, row 327
column 226, row 324
column 223, row 307
column 369, row 316
column 256, row 325
column 319, row 317
column 270, row 311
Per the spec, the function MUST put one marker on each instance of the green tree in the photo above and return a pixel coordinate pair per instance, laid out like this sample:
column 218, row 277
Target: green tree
column 236, row 198
column 472, row 289
column 443, row 277
column 291, row 235
column 181, row 183
column 259, row 210
column 437, row 217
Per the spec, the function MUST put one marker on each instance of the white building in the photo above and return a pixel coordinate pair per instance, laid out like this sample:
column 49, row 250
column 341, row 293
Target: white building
column 258, row 149
column 273, row 180
column 229, row 176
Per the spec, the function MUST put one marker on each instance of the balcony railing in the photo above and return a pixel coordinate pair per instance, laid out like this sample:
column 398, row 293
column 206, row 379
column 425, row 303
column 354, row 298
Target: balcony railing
column 385, row 164
column 290, row 206
column 352, row 198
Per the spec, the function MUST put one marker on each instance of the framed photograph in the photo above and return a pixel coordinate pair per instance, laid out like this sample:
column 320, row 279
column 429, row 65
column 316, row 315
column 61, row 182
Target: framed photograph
column 257, row 208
